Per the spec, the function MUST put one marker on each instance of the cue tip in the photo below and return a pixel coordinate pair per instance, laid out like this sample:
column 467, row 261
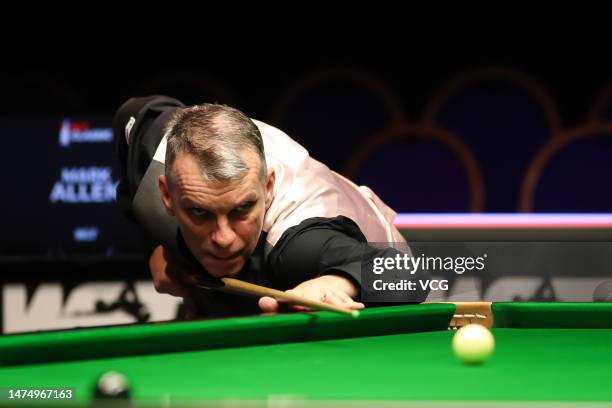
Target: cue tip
column 355, row 314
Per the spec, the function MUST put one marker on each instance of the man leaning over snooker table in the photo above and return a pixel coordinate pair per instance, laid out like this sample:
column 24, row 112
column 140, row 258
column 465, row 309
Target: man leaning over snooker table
column 221, row 195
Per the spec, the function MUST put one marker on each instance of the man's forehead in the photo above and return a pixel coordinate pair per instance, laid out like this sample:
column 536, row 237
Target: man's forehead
column 187, row 162
column 197, row 183
column 217, row 198
column 189, row 182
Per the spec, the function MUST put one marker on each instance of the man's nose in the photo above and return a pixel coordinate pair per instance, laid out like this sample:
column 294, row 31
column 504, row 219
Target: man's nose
column 224, row 234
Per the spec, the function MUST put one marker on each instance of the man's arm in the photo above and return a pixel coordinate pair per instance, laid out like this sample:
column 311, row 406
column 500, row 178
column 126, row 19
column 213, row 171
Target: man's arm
column 328, row 262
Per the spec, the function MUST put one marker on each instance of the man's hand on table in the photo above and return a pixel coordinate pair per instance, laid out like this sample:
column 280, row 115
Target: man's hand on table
column 332, row 289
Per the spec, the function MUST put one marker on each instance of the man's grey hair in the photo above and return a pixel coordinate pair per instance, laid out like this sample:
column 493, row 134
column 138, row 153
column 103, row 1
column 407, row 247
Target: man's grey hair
column 216, row 135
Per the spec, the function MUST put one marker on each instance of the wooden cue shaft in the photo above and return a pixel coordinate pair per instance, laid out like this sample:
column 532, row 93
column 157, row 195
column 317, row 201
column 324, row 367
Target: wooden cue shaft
column 244, row 288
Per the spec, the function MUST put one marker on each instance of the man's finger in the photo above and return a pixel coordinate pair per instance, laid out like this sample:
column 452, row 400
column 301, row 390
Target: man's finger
column 334, row 299
column 268, row 304
column 350, row 302
column 188, row 278
column 342, row 300
column 171, row 288
column 344, row 297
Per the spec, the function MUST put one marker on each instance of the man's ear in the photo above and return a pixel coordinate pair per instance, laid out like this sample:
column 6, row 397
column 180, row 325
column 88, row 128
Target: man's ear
column 270, row 187
column 165, row 194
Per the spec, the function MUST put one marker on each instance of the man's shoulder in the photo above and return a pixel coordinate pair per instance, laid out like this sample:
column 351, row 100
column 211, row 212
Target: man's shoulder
column 267, row 128
column 279, row 145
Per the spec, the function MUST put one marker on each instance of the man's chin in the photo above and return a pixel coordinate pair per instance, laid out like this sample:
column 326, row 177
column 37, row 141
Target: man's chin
column 223, row 269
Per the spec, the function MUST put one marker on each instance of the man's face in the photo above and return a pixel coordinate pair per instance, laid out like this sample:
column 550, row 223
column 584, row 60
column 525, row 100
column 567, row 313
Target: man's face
column 220, row 221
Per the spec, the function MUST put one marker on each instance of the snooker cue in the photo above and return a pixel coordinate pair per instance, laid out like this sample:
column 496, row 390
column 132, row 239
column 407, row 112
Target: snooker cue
column 237, row 286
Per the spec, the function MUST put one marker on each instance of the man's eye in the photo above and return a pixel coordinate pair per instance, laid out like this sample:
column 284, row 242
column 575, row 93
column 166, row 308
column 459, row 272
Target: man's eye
column 245, row 207
column 198, row 212
column 243, row 210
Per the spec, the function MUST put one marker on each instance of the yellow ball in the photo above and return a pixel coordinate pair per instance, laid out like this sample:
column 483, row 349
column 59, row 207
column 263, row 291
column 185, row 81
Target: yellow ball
column 473, row 344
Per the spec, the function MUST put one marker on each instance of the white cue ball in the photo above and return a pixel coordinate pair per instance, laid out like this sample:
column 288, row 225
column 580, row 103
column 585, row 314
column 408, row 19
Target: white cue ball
column 473, row 344
column 112, row 384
